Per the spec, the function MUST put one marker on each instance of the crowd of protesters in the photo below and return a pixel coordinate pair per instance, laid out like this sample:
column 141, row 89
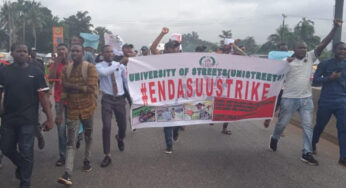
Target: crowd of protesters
column 76, row 79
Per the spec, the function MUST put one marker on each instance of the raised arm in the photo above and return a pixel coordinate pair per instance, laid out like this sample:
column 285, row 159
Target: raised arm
column 328, row 38
column 153, row 47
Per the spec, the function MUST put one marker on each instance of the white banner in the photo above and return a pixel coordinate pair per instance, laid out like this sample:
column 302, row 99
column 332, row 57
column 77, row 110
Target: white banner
column 198, row 88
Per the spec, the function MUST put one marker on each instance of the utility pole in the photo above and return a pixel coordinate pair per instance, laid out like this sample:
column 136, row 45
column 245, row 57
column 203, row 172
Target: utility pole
column 284, row 16
column 338, row 13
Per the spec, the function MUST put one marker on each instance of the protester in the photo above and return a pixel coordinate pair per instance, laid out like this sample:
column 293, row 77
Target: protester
column 200, row 49
column 331, row 74
column 297, row 94
column 114, row 85
column 24, row 86
column 227, row 49
column 145, row 51
column 86, row 57
column 127, row 51
column 79, row 80
column 283, row 48
column 171, row 46
column 54, row 77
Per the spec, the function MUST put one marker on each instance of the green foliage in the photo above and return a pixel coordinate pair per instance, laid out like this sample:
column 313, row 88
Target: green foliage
column 303, row 31
column 191, row 40
column 75, row 24
column 326, row 54
column 225, row 34
column 250, row 45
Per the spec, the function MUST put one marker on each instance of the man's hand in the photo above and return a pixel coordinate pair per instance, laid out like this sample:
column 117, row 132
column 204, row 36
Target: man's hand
column 58, row 119
column 338, row 22
column 335, row 75
column 47, row 125
column 164, row 31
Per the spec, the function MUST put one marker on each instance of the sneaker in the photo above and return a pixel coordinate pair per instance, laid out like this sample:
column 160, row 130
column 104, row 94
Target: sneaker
column 65, row 179
column 40, row 142
column 169, row 150
column 60, row 162
column 121, row 144
column 314, row 149
column 309, row 159
column 87, row 166
column 342, row 161
column 273, row 144
column 106, row 161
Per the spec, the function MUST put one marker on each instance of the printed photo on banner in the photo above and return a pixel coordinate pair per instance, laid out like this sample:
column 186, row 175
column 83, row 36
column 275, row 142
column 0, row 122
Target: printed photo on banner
column 200, row 110
column 143, row 114
column 171, row 113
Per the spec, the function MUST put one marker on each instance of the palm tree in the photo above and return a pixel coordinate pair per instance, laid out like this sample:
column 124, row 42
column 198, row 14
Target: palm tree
column 225, row 34
column 34, row 18
column 8, row 18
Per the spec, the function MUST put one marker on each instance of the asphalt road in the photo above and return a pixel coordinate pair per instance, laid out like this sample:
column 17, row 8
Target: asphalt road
column 202, row 157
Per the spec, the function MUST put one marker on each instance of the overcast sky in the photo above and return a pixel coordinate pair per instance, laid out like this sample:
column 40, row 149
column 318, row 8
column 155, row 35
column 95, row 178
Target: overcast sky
column 140, row 21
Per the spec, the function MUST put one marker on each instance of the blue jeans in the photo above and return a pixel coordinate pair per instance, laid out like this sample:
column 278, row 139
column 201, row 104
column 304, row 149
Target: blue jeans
column 288, row 107
column 22, row 136
column 325, row 111
column 62, row 133
column 169, row 131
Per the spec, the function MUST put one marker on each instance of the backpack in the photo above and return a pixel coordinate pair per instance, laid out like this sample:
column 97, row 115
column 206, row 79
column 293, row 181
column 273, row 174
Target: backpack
column 84, row 74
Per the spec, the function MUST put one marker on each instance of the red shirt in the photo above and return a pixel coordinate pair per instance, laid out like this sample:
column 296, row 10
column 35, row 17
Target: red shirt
column 57, row 81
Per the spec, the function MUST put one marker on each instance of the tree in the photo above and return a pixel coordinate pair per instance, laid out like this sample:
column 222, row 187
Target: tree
column 225, row 34
column 191, row 40
column 8, row 16
column 100, row 31
column 35, row 18
column 304, row 31
column 79, row 23
column 250, row 45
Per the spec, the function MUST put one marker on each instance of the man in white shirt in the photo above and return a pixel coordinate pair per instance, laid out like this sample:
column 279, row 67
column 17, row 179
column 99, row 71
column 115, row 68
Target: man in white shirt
column 113, row 84
column 297, row 94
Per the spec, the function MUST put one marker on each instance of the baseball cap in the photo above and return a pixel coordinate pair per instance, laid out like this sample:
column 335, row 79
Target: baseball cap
column 144, row 48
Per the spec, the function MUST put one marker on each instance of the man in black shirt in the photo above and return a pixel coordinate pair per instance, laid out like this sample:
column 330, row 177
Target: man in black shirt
column 24, row 86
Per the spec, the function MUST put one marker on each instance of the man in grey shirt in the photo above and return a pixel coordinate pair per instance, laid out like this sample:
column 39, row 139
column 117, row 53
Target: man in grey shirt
column 297, row 94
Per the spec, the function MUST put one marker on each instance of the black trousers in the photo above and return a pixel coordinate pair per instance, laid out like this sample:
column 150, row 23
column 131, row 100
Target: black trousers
column 110, row 105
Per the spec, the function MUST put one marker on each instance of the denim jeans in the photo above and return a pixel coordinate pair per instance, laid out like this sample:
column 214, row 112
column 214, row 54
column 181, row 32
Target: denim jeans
column 324, row 112
column 169, row 131
column 72, row 133
column 62, row 133
column 288, row 107
column 22, row 136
